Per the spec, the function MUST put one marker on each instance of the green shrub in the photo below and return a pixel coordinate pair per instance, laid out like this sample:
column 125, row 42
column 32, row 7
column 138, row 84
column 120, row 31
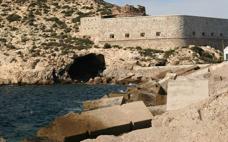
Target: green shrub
column 138, row 48
column 150, row 52
column 77, row 19
column 13, row 17
column 58, row 22
column 68, row 13
column 117, row 46
column 169, row 53
column 107, row 46
column 197, row 50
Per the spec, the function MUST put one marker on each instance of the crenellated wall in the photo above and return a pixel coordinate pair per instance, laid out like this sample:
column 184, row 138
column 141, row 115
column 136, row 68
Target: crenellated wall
column 159, row 32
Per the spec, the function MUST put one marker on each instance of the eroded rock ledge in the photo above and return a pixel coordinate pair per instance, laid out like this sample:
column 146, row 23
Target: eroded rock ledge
column 98, row 65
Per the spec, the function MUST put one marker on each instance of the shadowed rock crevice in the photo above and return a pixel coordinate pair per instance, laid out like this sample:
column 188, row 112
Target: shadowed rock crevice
column 86, row 67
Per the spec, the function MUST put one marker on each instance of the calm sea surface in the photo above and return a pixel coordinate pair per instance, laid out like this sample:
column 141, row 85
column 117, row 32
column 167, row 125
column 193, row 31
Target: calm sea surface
column 24, row 109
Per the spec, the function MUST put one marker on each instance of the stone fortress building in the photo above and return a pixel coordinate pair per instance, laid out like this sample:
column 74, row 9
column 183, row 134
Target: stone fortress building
column 157, row 32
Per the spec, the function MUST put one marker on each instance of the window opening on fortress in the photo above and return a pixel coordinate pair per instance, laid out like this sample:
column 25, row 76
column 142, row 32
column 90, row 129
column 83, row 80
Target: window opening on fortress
column 142, row 34
column 112, row 36
column 193, row 33
column 203, row 33
column 221, row 34
column 212, row 34
column 127, row 35
column 158, row 33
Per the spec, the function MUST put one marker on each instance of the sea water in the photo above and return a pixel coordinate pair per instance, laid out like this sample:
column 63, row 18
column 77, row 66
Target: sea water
column 25, row 109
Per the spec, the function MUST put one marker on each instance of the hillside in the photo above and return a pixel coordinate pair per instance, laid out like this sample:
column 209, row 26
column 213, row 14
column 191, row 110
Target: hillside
column 36, row 24
column 38, row 40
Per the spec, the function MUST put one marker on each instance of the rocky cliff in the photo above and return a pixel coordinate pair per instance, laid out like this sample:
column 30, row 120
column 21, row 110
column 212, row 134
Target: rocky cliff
column 128, row 11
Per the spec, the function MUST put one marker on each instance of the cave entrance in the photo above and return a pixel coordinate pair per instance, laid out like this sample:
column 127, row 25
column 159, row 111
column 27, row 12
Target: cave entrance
column 86, row 67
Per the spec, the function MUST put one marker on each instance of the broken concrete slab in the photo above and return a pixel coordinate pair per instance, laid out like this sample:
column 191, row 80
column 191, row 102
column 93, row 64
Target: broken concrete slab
column 105, row 121
column 187, row 70
column 218, row 79
column 152, row 87
column 185, row 91
column 157, row 110
column 103, row 102
column 164, row 82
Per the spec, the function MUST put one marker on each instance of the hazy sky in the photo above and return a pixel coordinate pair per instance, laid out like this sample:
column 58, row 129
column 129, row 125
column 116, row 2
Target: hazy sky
column 211, row 8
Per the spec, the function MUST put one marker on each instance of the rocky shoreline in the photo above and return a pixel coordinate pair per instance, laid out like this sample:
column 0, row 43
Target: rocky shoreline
column 149, row 97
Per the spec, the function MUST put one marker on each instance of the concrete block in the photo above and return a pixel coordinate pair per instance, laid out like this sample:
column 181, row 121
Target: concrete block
column 101, row 103
column 113, row 120
column 185, row 91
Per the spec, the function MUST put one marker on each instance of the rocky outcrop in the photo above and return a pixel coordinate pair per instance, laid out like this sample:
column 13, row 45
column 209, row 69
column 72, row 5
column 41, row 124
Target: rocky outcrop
column 95, row 65
column 128, row 11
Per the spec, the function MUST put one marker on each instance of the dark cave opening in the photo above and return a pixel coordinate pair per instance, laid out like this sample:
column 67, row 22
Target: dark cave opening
column 86, row 67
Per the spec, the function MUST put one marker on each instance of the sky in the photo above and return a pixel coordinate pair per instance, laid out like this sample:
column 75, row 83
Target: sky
column 208, row 8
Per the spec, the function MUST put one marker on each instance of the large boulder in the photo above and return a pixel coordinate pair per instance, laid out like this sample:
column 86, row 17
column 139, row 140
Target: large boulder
column 151, row 93
column 106, row 121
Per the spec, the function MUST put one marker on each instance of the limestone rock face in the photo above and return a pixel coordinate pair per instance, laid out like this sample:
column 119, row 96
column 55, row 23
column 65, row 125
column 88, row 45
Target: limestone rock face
column 128, row 11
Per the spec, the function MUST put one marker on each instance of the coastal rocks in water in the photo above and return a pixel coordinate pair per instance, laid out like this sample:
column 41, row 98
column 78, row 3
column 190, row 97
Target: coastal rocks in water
column 101, row 103
column 151, row 93
column 113, row 120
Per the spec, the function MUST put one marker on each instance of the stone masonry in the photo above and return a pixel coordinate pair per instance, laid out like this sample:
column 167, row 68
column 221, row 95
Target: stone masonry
column 157, row 32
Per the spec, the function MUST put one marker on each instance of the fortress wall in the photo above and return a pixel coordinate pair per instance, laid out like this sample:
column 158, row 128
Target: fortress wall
column 216, row 43
column 90, row 26
column 160, row 32
column 206, row 31
column 156, row 27
column 212, row 28
column 159, row 44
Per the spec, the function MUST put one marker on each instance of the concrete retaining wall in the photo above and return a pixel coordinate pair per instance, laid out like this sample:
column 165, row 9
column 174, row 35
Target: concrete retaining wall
column 185, row 91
